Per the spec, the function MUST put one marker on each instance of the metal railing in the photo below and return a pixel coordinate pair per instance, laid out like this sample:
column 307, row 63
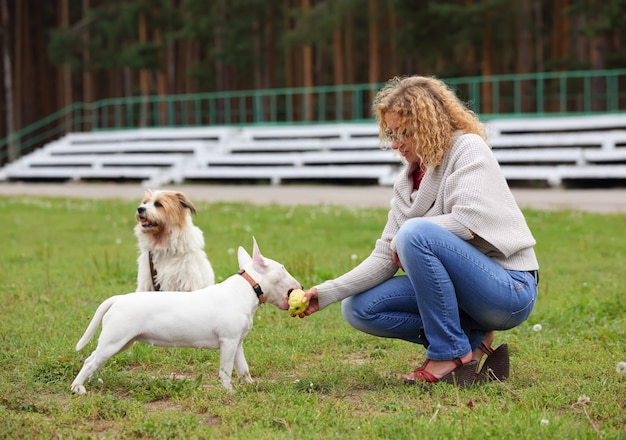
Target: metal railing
column 501, row 96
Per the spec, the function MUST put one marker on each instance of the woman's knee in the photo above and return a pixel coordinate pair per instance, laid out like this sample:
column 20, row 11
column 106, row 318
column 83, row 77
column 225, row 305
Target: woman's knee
column 414, row 229
column 352, row 309
column 353, row 314
column 346, row 308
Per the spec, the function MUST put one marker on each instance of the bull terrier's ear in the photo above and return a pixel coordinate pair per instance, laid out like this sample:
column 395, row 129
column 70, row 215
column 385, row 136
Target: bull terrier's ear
column 257, row 258
column 243, row 257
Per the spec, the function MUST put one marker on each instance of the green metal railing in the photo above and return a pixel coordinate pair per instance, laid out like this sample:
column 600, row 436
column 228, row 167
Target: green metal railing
column 502, row 96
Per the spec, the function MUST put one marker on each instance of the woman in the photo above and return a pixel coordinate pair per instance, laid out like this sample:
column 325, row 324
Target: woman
column 456, row 231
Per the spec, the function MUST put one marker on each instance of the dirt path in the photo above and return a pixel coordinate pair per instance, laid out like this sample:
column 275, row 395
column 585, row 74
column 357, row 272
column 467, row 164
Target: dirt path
column 600, row 201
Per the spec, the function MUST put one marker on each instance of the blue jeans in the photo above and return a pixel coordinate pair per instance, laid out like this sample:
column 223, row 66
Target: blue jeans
column 451, row 296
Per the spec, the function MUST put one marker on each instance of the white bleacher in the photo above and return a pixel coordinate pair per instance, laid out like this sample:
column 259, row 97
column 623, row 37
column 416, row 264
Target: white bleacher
column 560, row 148
column 156, row 155
column 550, row 150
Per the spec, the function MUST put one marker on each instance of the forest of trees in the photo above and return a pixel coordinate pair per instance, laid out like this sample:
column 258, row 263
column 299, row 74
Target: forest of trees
column 56, row 52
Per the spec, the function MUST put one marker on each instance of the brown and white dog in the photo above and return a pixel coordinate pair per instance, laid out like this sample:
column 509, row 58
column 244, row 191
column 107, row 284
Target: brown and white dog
column 171, row 247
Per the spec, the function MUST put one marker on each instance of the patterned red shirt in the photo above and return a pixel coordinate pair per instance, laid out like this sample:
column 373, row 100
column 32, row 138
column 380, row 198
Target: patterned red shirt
column 418, row 175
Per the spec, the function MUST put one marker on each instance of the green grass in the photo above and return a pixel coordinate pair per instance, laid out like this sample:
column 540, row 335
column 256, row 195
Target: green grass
column 315, row 378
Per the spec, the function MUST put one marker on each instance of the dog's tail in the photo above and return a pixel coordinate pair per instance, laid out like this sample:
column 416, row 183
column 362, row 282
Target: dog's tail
column 95, row 322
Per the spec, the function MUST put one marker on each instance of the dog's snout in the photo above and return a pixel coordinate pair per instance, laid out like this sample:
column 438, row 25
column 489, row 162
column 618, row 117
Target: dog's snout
column 141, row 210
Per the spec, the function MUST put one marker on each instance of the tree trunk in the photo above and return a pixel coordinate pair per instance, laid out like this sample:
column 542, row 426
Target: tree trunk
column 307, row 62
column 221, row 76
column 258, row 114
column 351, row 56
column 598, row 48
column 598, row 62
column 144, row 75
column 268, row 61
column 66, row 73
column 374, row 43
column 88, row 83
column 539, row 64
column 289, row 56
column 524, row 59
column 20, row 26
column 338, row 70
column 470, row 60
column 161, row 78
column 270, row 49
column 192, row 51
column 40, row 98
column 257, row 44
column 393, row 63
column 486, row 105
column 127, row 82
column 560, row 32
column 170, row 67
column 8, row 82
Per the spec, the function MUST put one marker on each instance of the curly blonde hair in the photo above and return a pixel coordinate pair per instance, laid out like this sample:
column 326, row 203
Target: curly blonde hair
column 428, row 109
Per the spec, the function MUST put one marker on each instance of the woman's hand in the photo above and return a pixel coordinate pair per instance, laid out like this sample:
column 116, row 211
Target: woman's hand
column 396, row 260
column 314, row 306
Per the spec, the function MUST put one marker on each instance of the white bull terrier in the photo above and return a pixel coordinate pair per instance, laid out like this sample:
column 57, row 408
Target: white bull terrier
column 215, row 317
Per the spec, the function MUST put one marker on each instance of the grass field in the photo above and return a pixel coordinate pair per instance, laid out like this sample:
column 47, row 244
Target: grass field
column 314, row 378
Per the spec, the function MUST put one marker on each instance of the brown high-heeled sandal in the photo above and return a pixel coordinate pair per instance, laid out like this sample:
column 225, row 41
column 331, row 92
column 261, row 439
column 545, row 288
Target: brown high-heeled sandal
column 496, row 366
column 462, row 376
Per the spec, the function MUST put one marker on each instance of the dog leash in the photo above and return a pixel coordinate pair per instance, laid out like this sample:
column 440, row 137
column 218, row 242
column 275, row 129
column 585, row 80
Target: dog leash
column 254, row 284
column 153, row 272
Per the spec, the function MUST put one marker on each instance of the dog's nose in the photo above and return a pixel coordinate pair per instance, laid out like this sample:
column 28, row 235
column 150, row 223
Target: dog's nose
column 141, row 210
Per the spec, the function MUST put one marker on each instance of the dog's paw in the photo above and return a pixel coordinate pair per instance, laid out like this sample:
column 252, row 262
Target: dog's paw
column 79, row 389
column 229, row 389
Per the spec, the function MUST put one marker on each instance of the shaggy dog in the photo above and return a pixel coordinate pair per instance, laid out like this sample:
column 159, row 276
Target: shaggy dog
column 171, row 248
